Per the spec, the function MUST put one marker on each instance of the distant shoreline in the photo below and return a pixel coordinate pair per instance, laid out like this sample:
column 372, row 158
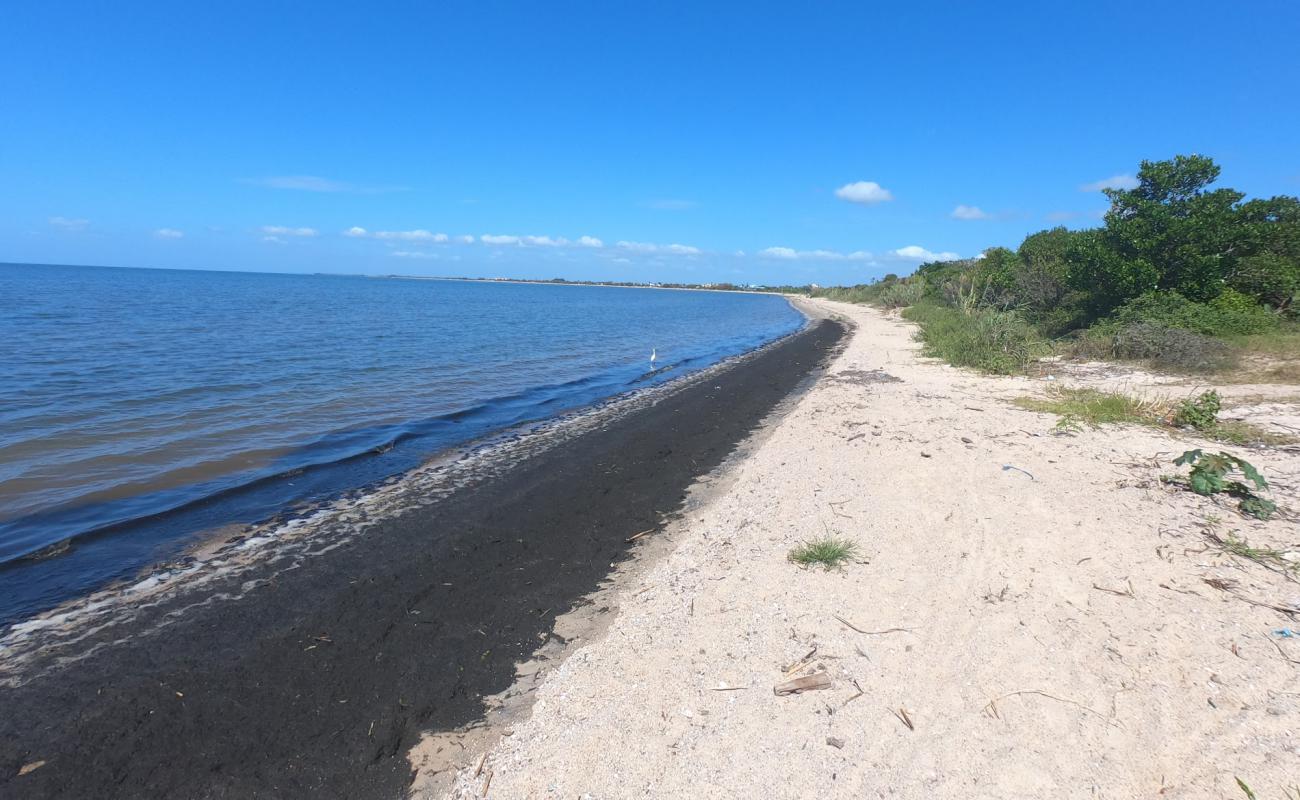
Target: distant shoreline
column 779, row 291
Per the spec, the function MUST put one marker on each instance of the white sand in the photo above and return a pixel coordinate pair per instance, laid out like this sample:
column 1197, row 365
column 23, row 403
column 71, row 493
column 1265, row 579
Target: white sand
column 1062, row 641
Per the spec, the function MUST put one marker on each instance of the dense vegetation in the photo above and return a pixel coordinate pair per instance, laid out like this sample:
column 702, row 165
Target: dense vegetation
column 1177, row 269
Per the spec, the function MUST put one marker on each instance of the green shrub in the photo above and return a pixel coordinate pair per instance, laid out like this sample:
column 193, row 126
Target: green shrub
column 994, row 341
column 1200, row 412
column 1172, row 348
column 1229, row 313
column 1273, row 278
column 901, row 294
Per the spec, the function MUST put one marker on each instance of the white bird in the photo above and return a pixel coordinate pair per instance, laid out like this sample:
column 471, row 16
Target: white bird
column 654, row 354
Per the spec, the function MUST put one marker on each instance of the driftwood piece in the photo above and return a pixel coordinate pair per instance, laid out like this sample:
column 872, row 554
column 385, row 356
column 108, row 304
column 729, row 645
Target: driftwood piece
column 818, row 680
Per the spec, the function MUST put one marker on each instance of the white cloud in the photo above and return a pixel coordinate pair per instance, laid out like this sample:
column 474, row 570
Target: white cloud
column 917, row 253
column 273, row 239
column 1113, row 182
column 465, row 239
column 69, row 223
column 639, row 247
column 419, row 235
column 647, row 247
column 969, row 213
column 168, row 233
column 281, row 230
column 538, row 241
column 865, row 192
column 544, row 241
column 790, row 254
column 413, row 254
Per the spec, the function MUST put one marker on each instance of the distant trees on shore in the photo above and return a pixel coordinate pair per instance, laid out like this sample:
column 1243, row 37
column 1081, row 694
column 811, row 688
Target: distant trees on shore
column 1173, row 253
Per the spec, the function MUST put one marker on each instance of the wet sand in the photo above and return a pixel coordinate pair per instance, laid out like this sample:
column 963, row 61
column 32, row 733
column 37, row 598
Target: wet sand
column 320, row 677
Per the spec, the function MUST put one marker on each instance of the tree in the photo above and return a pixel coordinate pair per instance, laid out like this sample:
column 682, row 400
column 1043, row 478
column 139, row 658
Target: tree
column 1040, row 282
column 996, row 276
column 1269, row 240
column 1173, row 228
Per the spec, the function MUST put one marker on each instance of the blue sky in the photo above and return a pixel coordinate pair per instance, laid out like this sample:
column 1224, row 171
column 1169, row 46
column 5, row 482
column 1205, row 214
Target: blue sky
column 748, row 142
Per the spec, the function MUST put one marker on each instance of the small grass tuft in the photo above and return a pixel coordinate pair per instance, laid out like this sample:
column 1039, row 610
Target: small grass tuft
column 1092, row 407
column 829, row 552
column 1265, row 556
column 1097, row 408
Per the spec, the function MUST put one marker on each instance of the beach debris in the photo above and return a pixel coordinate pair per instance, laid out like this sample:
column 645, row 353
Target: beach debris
column 1278, row 645
column 968, row 440
column 1007, row 467
column 487, row 783
column 901, row 713
column 835, row 742
column 991, row 708
column 31, row 767
column 1286, row 633
column 872, row 633
column 807, row 683
column 722, row 687
column 1121, row 593
column 925, row 454
column 634, row 537
column 801, row 663
column 481, row 761
column 854, row 697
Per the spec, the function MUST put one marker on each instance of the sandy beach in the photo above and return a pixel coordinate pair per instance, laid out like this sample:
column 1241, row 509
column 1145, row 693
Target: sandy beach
column 1031, row 615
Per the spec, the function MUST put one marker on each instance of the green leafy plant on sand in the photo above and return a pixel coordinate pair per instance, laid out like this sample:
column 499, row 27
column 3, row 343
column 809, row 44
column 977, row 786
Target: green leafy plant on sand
column 829, row 552
column 1067, row 425
column 1210, row 476
column 1201, row 412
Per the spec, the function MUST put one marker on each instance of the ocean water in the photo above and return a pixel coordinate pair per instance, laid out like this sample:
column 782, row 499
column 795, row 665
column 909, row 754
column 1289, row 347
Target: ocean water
column 140, row 408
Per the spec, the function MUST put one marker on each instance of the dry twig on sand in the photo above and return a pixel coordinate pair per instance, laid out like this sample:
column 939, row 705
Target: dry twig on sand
column 872, row 633
column 901, row 713
column 992, row 708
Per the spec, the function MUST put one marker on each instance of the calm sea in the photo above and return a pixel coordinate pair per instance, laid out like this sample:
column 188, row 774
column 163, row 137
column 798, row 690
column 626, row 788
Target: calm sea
column 141, row 407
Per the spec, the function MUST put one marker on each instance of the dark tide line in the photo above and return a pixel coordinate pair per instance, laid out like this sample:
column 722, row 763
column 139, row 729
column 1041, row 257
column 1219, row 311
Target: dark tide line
column 316, row 683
